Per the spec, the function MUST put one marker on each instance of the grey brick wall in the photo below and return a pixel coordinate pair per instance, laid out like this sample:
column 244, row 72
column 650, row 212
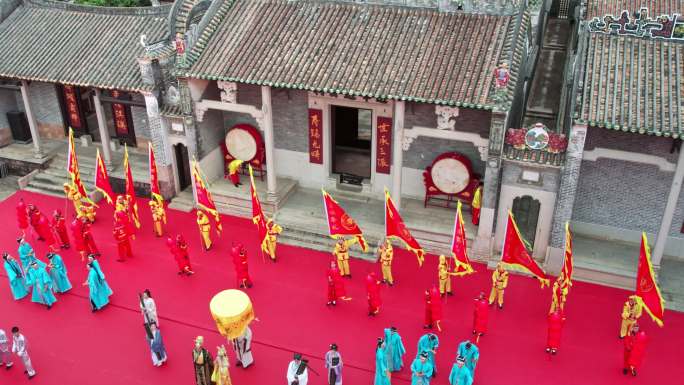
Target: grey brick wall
column 291, row 120
column 8, row 102
column 420, row 114
column 623, row 141
column 139, row 116
column 512, row 172
column 210, row 132
column 468, row 120
column 424, row 150
column 45, row 103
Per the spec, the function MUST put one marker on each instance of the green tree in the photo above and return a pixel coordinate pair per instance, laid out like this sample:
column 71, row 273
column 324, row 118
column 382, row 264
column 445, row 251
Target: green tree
column 115, row 3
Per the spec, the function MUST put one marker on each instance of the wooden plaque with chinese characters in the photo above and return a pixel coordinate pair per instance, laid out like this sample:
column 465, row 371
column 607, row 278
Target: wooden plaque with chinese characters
column 315, row 136
column 383, row 148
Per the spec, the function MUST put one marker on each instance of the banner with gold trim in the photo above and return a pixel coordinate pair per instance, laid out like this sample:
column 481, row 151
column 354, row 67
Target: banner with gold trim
column 102, row 179
column 204, row 199
column 395, row 228
column 130, row 188
column 340, row 223
column 154, row 179
column 647, row 290
column 514, row 254
column 459, row 246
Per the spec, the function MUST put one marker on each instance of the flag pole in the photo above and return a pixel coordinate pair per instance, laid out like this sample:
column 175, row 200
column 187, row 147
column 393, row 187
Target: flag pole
column 503, row 245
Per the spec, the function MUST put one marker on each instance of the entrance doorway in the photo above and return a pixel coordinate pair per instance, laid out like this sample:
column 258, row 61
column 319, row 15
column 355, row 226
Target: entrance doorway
column 526, row 212
column 182, row 166
column 351, row 140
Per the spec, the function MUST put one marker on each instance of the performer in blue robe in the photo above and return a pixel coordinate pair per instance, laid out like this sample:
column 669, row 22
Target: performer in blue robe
column 17, row 280
column 99, row 289
column 157, row 346
column 460, row 375
column 470, row 353
column 395, row 350
column 421, row 370
column 27, row 255
column 42, row 284
column 429, row 343
column 58, row 271
column 382, row 373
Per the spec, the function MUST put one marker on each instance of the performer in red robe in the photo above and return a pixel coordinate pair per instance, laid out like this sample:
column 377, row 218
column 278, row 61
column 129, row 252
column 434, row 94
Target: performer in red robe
column 46, row 232
column 77, row 233
column 481, row 316
column 635, row 346
column 241, row 267
column 555, row 321
column 336, row 288
column 59, row 227
column 88, row 240
column 123, row 242
column 433, row 309
column 22, row 216
column 179, row 249
column 34, row 218
column 373, row 288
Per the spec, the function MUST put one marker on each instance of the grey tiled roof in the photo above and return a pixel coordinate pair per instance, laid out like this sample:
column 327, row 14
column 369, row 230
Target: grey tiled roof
column 78, row 45
column 600, row 8
column 385, row 52
column 633, row 84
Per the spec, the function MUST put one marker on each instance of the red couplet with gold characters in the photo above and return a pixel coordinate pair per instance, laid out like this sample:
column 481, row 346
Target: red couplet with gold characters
column 383, row 145
column 315, row 136
column 72, row 107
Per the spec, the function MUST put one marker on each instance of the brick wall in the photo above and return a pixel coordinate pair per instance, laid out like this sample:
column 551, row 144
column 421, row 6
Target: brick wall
column 468, row 120
column 45, row 105
column 291, row 120
column 424, row 150
column 512, row 172
column 139, row 116
column 247, row 94
column 7, row 103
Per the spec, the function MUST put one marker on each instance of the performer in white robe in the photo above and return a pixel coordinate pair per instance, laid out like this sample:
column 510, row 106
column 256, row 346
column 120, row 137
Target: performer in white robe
column 5, row 355
column 292, row 377
column 243, row 349
column 150, row 309
column 19, row 347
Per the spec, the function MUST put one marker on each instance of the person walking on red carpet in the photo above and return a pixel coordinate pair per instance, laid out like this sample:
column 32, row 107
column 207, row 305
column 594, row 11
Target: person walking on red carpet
column 476, row 205
column 341, row 252
column 59, row 226
column 148, row 307
column 333, row 363
column 48, row 233
column 373, row 289
column 203, row 363
column 158, row 217
column 336, row 289
column 422, row 370
column 481, row 316
column 499, row 283
column 635, row 347
column 383, row 375
column 22, row 216
column 99, row 290
column 123, row 241
column 179, row 249
column 242, row 346
column 241, row 266
column 34, row 218
column 88, row 240
column 157, row 348
column 433, row 309
column 385, row 257
column 394, row 349
column 555, row 320
column 221, row 375
column 20, row 348
column 77, row 233
column 5, row 354
column 631, row 312
column 297, row 372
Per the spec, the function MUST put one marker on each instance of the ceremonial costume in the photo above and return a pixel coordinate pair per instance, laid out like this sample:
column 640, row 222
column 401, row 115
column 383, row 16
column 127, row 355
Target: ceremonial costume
column 122, row 215
column 179, row 249
column 635, row 346
column 476, row 205
column 88, row 241
column 333, row 363
column 470, row 353
column 428, row 343
column 433, row 309
column 297, row 373
column 386, row 256
column 157, row 349
column 481, row 315
column 555, row 321
column 499, row 283
column 241, row 266
column 34, row 219
column 20, row 348
column 149, row 309
column 221, row 375
column 336, row 288
column 59, row 226
column 631, row 312
column 99, row 289
column 234, row 171
column 74, row 196
column 341, row 252
column 460, row 375
column 243, row 348
column 204, row 364
column 158, row 217
column 373, row 288
column 46, row 232
column 444, row 276
column 382, row 373
column 394, row 349
column 42, row 284
column 27, row 256
column 123, row 242
column 77, row 233
column 22, row 216
column 205, row 229
column 271, row 239
column 560, row 291
column 421, row 370
column 87, row 212
column 17, row 279
column 58, row 272
column 5, row 354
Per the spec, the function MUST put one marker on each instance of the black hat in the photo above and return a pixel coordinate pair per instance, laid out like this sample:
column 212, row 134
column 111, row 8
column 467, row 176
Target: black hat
column 424, row 354
column 297, row 356
column 468, row 345
column 333, row 346
column 460, row 359
column 393, row 328
column 20, row 239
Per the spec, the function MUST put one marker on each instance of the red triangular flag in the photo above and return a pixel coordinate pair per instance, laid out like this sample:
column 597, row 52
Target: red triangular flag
column 395, row 228
column 154, row 179
column 646, row 286
column 102, row 179
column 204, row 199
column 130, row 188
column 459, row 247
column 515, row 255
column 340, row 223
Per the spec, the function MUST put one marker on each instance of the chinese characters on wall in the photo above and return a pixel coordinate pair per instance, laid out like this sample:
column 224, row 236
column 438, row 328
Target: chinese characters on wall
column 383, row 145
column 72, row 109
column 120, row 117
column 315, row 136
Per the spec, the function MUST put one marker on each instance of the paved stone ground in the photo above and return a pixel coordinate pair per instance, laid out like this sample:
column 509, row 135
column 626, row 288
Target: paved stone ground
column 8, row 185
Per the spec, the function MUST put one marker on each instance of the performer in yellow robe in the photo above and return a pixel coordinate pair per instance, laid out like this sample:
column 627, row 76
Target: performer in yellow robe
column 342, row 253
column 631, row 312
column 74, row 196
column 386, row 255
column 158, row 217
column 476, row 205
column 499, row 283
column 271, row 240
column 444, row 276
column 233, row 171
column 87, row 211
column 204, row 228
column 560, row 291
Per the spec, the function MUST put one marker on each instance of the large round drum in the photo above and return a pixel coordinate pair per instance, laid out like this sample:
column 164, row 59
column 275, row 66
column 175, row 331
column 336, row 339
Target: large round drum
column 450, row 174
column 232, row 310
column 244, row 142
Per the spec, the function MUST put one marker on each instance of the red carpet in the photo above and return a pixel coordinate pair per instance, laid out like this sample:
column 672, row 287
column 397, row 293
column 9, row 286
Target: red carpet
column 69, row 345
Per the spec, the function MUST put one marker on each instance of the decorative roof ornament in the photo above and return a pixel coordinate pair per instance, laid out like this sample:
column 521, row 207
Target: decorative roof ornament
column 502, row 75
column 640, row 24
column 179, row 44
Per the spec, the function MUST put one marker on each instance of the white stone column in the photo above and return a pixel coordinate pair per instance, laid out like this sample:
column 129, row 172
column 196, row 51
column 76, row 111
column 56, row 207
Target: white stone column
column 102, row 125
column 33, row 124
column 267, row 110
column 670, row 207
column 397, row 151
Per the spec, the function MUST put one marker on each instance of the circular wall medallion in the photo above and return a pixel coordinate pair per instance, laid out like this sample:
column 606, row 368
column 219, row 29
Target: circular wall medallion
column 450, row 175
column 537, row 137
column 241, row 144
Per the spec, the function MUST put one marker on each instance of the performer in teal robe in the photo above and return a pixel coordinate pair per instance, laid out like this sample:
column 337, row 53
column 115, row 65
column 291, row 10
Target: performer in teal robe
column 42, row 284
column 58, row 271
column 470, row 353
column 460, row 375
column 429, row 343
column 382, row 373
column 421, row 370
column 394, row 349
column 99, row 289
column 17, row 280
column 26, row 254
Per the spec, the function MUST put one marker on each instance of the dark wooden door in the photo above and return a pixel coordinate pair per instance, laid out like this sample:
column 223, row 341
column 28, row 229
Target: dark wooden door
column 183, row 166
column 526, row 212
column 70, row 102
